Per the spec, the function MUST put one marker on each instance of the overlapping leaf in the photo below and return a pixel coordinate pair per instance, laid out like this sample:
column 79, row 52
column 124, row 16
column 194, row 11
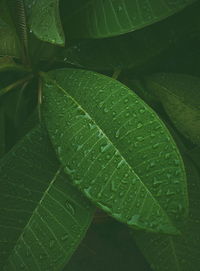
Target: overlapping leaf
column 177, row 253
column 43, row 218
column 115, row 148
column 9, row 42
column 44, row 20
column 99, row 18
column 135, row 49
column 179, row 93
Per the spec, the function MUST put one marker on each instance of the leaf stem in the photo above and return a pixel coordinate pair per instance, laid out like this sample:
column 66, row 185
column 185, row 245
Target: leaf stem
column 116, row 73
column 15, row 84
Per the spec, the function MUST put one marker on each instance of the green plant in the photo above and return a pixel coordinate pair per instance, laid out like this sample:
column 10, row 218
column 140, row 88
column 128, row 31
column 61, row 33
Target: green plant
column 99, row 110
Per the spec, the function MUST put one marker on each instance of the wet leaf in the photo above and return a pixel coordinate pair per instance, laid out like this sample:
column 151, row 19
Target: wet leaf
column 115, row 148
column 43, row 218
column 44, row 20
column 180, row 96
column 135, row 49
column 99, row 18
column 176, row 253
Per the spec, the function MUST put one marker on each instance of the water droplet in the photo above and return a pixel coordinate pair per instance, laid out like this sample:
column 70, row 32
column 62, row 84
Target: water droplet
column 139, row 125
column 69, row 170
column 155, row 145
column 176, row 162
column 142, row 110
column 121, row 162
column 105, row 110
column 65, row 237
column 167, row 155
column 70, row 208
column 134, row 220
column 52, row 243
column 104, row 147
column 117, row 133
column 126, row 101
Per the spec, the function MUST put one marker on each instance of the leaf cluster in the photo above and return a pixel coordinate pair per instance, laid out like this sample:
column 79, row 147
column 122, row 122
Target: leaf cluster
column 99, row 135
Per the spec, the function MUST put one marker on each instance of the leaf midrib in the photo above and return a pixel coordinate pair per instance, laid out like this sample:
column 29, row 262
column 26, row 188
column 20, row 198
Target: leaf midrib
column 35, row 210
column 80, row 106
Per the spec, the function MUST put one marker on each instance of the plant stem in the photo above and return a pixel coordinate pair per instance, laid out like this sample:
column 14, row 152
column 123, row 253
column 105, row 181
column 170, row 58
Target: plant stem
column 15, row 84
column 116, row 73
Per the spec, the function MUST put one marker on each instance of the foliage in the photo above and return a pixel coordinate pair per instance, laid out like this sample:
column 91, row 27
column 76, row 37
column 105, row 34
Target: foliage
column 99, row 124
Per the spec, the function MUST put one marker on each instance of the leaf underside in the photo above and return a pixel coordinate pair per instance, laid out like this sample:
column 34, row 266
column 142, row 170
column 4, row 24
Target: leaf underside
column 115, row 149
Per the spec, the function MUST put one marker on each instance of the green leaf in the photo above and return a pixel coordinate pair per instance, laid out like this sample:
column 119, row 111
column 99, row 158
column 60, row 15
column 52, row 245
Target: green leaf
column 180, row 97
column 115, row 148
column 99, row 19
column 133, row 50
column 9, row 42
column 44, row 20
column 43, row 218
column 176, row 253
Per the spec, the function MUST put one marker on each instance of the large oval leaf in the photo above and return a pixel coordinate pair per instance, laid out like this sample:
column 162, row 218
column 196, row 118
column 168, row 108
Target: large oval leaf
column 115, row 148
column 176, row 253
column 180, row 96
column 43, row 218
column 44, row 20
column 99, row 19
column 134, row 49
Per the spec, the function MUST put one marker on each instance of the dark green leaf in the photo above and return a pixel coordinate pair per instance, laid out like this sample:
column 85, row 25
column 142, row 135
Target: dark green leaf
column 99, row 18
column 133, row 50
column 180, row 97
column 44, row 20
column 177, row 253
column 43, row 218
column 9, row 42
column 115, row 148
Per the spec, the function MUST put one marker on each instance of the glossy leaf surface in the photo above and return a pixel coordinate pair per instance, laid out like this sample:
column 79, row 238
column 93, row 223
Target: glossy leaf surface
column 99, row 18
column 133, row 50
column 177, row 253
column 44, row 20
column 43, row 218
column 115, row 148
column 179, row 93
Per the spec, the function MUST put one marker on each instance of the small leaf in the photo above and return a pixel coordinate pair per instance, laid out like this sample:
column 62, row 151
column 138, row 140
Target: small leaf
column 99, row 18
column 176, row 253
column 43, row 218
column 115, row 148
column 44, row 20
column 180, row 97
